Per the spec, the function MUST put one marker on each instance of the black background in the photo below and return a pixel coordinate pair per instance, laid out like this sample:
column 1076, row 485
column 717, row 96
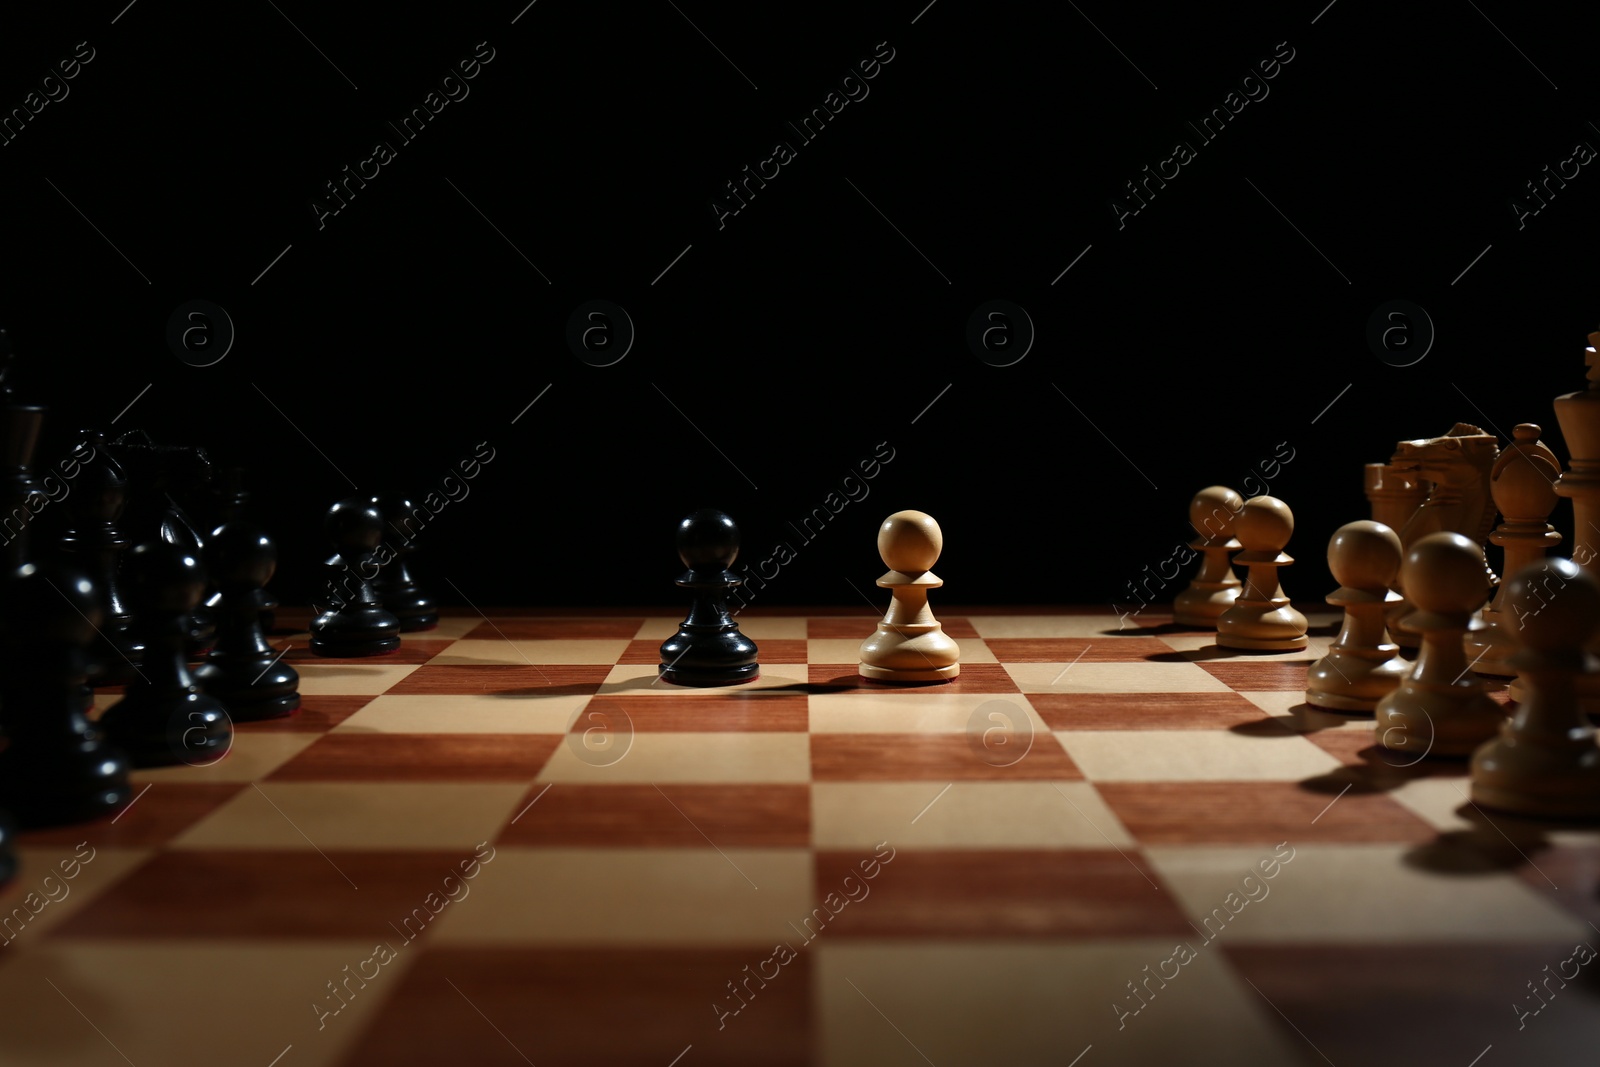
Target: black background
column 1207, row 335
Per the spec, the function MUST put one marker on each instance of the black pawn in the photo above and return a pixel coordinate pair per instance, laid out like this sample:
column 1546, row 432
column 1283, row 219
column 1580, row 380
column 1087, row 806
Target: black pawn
column 94, row 544
column 165, row 719
column 8, row 858
column 395, row 586
column 242, row 670
column 355, row 623
column 57, row 767
column 708, row 648
column 226, row 499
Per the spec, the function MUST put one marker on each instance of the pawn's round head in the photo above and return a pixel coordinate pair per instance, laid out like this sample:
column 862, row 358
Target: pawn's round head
column 1364, row 555
column 1553, row 605
column 395, row 508
column 1445, row 573
column 910, row 542
column 163, row 579
column 1264, row 524
column 354, row 525
column 708, row 540
column 1213, row 510
column 240, row 554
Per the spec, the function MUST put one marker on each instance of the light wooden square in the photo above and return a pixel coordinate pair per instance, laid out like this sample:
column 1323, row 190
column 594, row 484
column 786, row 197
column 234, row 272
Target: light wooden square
column 890, row 713
column 92, row 1003
column 513, row 652
column 1084, row 677
column 1357, row 893
column 358, row 815
column 1192, row 756
column 1034, row 1005
column 251, row 757
column 350, row 679
column 667, row 896
column 978, row 815
column 711, row 758
column 471, row 713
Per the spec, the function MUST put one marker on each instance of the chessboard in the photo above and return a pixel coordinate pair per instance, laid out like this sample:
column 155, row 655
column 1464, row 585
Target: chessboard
column 1107, row 841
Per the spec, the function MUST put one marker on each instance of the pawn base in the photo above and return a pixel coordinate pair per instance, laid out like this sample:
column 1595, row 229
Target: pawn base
column 62, row 794
column 347, row 649
column 1263, row 626
column 707, row 677
column 1428, row 722
column 908, row 674
column 242, row 709
column 1543, row 778
column 1336, row 702
column 1264, row 644
column 162, row 749
column 197, row 733
column 1347, row 682
column 355, row 631
column 251, row 687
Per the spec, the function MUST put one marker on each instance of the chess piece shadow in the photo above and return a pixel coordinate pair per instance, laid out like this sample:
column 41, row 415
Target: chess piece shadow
column 1159, row 629
column 1382, row 770
column 1479, row 850
column 1266, row 726
column 534, row 692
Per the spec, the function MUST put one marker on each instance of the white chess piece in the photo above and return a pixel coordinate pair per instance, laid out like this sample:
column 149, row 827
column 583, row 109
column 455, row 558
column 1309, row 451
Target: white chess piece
column 1261, row 617
column 1441, row 708
column 1545, row 763
column 910, row 645
column 1362, row 666
column 1214, row 586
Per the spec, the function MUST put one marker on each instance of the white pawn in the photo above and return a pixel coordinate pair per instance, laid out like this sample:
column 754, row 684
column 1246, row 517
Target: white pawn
column 1261, row 617
column 1215, row 586
column 910, row 645
column 1545, row 763
column 1362, row 666
column 1441, row 708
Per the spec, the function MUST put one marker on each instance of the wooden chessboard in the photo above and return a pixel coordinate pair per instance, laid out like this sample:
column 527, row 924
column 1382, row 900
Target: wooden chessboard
column 509, row 844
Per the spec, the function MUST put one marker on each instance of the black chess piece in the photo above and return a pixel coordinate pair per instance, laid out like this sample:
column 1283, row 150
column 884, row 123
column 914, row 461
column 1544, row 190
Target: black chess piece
column 708, row 648
column 355, row 622
column 94, row 544
column 242, row 670
column 164, row 718
column 396, row 588
column 8, row 858
column 57, row 767
column 225, row 500
column 159, row 476
column 21, row 493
